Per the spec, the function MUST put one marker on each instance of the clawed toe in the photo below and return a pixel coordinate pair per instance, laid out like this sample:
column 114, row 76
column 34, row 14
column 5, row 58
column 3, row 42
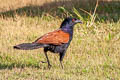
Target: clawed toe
column 49, row 66
column 43, row 62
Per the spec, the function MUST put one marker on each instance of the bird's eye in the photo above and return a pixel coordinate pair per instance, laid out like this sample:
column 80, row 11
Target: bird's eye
column 73, row 20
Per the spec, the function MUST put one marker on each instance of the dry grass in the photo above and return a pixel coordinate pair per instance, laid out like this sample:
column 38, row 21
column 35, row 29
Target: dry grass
column 94, row 53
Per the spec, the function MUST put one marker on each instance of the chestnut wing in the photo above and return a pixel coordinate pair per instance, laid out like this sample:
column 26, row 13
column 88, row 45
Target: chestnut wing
column 57, row 37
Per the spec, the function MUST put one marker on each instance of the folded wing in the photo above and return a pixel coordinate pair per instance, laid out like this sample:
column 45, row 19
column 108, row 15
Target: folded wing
column 57, row 37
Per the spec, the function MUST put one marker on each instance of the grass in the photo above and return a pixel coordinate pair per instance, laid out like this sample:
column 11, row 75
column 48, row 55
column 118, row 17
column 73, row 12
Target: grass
column 94, row 53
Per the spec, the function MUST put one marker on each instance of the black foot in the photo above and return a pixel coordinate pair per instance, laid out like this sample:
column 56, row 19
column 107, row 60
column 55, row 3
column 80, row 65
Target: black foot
column 61, row 64
column 43, row 62
column 49, row 66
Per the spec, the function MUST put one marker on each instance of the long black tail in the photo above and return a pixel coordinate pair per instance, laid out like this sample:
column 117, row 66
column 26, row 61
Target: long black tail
column 29, row 46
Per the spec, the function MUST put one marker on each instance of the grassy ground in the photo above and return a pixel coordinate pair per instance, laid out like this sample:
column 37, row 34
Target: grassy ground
column 94, row 53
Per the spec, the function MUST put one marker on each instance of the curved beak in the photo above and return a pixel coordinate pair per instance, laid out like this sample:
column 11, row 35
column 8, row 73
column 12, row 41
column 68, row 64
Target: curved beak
column 78, row 21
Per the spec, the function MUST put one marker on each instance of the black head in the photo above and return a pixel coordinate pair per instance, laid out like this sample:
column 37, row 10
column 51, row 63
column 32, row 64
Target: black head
column 69, row 22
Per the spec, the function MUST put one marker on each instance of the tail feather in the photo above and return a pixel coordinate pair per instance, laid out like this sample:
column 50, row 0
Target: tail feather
column 29, row 46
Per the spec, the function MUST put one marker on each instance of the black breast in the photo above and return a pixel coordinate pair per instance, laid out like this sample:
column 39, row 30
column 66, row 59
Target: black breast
column 56, row 48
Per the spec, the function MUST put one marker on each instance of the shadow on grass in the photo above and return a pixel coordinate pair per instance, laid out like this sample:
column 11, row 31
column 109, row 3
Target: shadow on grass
column 14, row 65
column 107, row 10
column 19, row 65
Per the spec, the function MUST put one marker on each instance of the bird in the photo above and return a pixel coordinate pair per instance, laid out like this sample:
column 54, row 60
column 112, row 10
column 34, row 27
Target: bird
column 56, row 41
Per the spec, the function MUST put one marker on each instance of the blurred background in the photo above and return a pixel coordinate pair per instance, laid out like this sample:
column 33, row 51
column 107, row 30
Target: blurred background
column 107, row 8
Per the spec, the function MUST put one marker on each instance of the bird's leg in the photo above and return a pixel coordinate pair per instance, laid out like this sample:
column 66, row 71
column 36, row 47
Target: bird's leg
column 61, row 58
column 61, row 64
column 49, row 66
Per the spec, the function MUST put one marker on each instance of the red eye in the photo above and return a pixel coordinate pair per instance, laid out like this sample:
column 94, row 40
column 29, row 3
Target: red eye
column 73, row 20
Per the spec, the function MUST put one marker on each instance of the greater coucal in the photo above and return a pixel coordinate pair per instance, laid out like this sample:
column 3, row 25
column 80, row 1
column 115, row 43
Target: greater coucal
column 56, row 41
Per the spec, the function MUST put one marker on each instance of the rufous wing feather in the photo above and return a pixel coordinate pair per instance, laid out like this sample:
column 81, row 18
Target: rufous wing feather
column 57, row 37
